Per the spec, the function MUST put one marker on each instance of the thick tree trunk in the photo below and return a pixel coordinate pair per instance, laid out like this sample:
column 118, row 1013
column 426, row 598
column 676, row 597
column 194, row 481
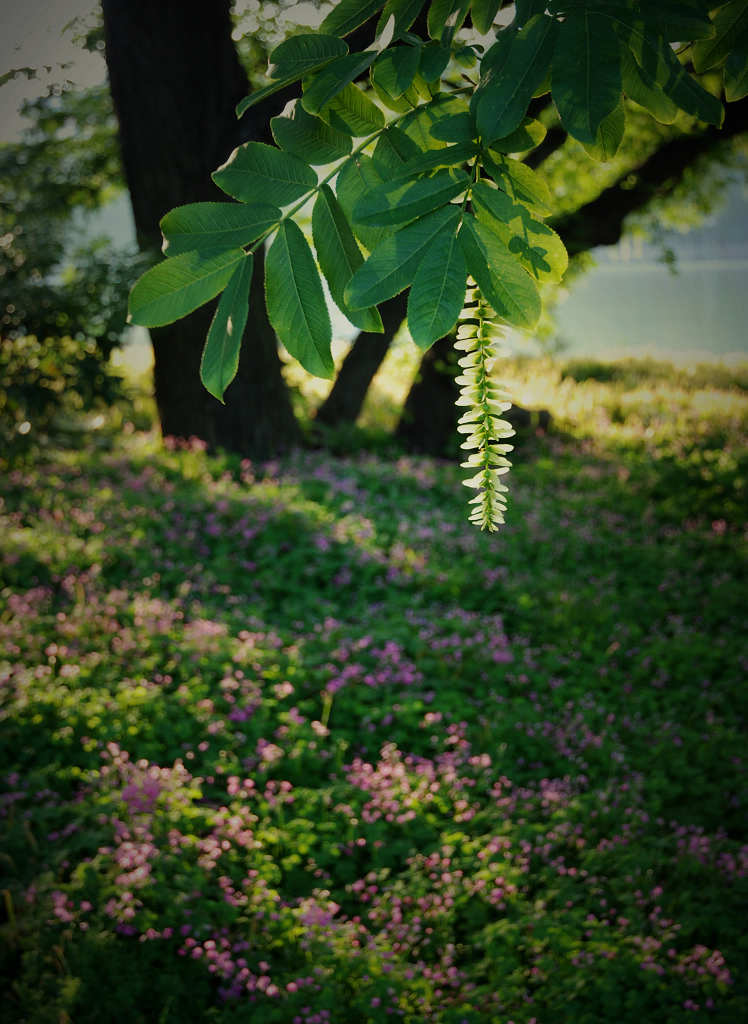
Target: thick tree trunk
column 175, row 79
column 346, row 397
column 429, row 417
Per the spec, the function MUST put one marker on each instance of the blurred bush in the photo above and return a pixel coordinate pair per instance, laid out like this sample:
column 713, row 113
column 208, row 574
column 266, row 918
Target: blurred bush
column 53, row 390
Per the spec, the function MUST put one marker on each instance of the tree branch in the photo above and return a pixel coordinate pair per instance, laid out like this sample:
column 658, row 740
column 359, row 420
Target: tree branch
column 601, row 221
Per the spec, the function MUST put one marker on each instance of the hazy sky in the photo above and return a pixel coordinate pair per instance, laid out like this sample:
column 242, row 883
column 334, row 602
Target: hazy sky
column 31, row 36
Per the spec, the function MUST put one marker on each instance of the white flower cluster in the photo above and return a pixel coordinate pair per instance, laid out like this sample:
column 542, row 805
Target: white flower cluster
column 485, row 402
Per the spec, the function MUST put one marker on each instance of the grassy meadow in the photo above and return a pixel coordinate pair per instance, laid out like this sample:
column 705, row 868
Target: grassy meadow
column 293, row 743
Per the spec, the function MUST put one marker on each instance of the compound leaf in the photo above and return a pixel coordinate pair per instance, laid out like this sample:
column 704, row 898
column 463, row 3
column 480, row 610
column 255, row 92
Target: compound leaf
column 296, row 302
column 256, row 169
column 220, row 359
column 215, row 225
column 179, row 284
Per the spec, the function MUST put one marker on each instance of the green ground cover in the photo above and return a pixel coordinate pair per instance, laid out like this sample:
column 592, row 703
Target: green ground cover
column 294, row 743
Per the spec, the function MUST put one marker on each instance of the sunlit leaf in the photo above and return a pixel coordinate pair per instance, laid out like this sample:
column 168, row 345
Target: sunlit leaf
column 216, row 225
column 353, row 112
column 220, row 360
column 309, row 137
column 391, row 267
column 730, row 30
column 609, row 135
column 529, row 134
column 640, row 87
column 357, row 179
column 395, row 69
column 659, row 62
column 437, row 294
column 499, row 275
column 180, row 284
column 396, row 202
column 483, row 13
column 296, row 304
column 323, row 87
column 393, row 151
column 539, row 248
column 349, row 14
column 456, row 128
column 297, row 56
column 519, row 181
column 339, row 257
column 256, row 171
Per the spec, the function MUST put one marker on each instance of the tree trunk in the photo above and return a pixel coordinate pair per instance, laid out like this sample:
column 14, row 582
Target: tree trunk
column 429, row 417
column 175, row 79
column 361, row 363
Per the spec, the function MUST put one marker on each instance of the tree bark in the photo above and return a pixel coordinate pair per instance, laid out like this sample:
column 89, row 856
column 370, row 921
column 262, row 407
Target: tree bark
column 175, row 79
column 343, row 404
column 429, row 417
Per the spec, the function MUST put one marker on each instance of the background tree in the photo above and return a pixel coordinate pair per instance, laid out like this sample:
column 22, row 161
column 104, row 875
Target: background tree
column 175, row 80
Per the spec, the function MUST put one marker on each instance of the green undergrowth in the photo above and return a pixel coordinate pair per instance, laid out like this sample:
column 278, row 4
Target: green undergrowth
column 295, row 743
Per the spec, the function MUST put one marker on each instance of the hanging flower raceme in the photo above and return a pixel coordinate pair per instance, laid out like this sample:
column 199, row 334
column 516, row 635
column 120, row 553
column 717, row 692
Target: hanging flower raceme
column 485, row 401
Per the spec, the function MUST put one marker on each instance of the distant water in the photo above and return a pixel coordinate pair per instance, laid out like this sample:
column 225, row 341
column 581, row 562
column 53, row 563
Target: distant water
column 627, row 305
column 642, row 309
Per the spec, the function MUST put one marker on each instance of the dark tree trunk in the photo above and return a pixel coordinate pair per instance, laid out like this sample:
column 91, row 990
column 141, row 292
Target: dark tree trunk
column 429, row 417
column 175, row 79
column 346, row 397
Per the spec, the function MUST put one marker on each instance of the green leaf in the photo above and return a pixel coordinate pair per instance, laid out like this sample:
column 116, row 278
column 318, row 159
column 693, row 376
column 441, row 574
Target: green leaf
column 640, row 87
column 499, row 275
column 448, row 156
column 220, row 359
column 357, row 178
column 483, row 13
column 438, row 292
column 339, row 257
column 256, row 170
column 309, row 138
column 393, row 151
column 538, row 247
column 301, row 54
column 178, row 285
column 519, row 181
column 526, row 9
column 391, row 267
column 586, row 73
column 398, row 201
column 497, row 55
column 258, row 95
column 353, row 112
column 323, row 87
column 404, row 12
column 444, row 12
column 296, row 302
column 457, row 128
column 658, row 61
column 505, row 95
column 609, row 135
column 395, row 69
column 418, row 124
column 349, row 14
column 529, row 135
column 680, row 20
column 730, row 26
column 736, row 77
column 215, row 225
column 434, row 59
